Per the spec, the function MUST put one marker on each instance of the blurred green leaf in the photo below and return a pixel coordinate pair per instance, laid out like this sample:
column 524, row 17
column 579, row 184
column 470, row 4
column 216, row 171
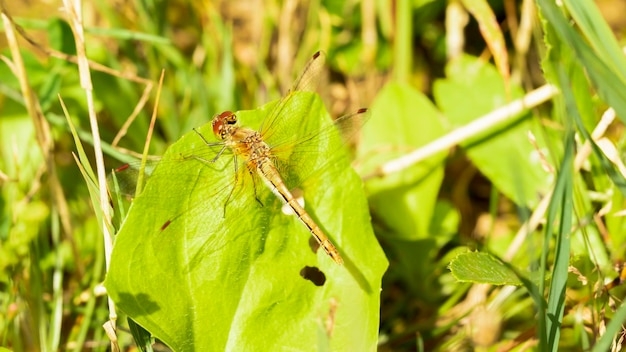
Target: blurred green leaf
column 214, row 281
column 124, row 34
column 61, row 38
column 502, row 153
column 402, row 120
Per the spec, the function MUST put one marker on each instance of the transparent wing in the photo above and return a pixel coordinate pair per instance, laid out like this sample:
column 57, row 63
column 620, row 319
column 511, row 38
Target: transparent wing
column 188, row 200
column 310, row 153
column 127, row 175
column 286, row 111
column 309, row 78
column 198, row 220
column 198, row 196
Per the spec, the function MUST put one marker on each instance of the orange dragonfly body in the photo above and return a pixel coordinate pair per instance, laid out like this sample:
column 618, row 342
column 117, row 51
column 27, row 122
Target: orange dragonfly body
column 261, row 150
column 251, row 146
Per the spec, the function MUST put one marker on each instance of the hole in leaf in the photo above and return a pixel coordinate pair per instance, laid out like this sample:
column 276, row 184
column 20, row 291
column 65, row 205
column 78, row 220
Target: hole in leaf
column 313, row 274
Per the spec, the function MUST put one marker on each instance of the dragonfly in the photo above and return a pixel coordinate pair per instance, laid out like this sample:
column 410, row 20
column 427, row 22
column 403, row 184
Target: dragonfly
column 267, row 154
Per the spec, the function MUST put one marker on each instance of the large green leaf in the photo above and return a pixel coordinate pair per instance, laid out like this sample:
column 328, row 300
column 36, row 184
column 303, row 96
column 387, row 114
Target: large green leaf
column 229, row 278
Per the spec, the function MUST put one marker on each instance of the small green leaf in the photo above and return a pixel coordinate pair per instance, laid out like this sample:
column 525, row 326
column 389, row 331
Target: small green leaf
column 478, row 267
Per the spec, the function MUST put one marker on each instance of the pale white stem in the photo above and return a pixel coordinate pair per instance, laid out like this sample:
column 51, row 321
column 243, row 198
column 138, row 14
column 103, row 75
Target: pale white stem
column 492, row 119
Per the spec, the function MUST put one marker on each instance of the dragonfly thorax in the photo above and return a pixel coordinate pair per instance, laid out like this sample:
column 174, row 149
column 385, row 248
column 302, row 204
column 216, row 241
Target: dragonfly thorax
column 248, row 144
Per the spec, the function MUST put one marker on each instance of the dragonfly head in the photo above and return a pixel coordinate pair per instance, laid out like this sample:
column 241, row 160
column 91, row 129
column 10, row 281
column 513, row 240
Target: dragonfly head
column 223, row 124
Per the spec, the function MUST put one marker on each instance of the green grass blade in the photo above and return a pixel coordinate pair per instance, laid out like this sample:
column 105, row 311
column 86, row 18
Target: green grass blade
column 599, row 34
column 608, row 81
column 142, row 337
column 615, row 327
column 560, row 211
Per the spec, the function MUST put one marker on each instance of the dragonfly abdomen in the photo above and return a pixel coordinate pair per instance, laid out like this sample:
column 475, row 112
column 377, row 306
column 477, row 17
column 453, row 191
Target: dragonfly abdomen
column 272, row 179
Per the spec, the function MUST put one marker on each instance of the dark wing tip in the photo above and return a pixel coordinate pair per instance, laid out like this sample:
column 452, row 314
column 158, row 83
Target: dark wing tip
column 122, row 168
column 167, row 223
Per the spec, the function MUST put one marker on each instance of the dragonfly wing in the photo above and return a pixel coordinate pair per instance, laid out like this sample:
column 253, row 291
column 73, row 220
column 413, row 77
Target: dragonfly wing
column 319, row 146
column 284, row 109
column 310, row 76
column 188, row 200
column 127, row 175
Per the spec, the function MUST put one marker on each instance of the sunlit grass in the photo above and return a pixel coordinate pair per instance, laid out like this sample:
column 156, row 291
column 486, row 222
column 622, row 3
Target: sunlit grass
column 547, row 211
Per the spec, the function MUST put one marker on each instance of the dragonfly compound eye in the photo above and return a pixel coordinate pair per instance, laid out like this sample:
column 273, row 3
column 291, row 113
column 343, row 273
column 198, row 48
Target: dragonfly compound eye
column 218, row 127
column 220, row 121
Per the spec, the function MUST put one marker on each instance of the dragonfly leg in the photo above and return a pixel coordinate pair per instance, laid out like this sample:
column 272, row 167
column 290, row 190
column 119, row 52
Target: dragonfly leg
column 218, row 154
column 198, row 158
column 211, row 145
column 232, row 190
column 230, row 194
column 252, row 174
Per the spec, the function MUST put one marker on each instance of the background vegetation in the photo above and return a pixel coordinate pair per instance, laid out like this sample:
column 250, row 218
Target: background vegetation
column 502, row 222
